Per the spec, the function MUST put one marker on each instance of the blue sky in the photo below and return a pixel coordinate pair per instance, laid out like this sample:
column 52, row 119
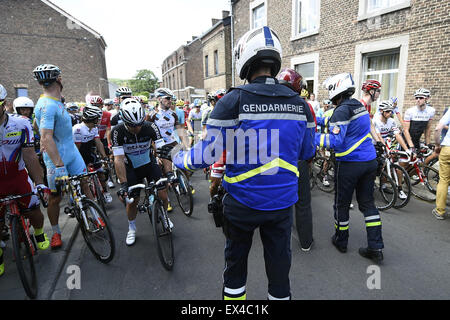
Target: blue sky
column 140, row 34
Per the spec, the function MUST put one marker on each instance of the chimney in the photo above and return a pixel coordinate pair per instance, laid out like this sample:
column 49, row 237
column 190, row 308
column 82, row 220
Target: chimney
column 225, row 14
column 214, row 21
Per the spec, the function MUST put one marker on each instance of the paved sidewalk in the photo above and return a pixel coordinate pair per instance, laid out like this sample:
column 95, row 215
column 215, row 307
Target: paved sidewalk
column 48, row 263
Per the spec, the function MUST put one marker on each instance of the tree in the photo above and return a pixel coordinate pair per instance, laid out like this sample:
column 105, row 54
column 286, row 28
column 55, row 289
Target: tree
column 144, row 81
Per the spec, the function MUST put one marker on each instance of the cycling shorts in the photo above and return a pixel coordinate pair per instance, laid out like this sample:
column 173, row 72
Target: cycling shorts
column 74, row 166
column 150, row 171
column 17, row 185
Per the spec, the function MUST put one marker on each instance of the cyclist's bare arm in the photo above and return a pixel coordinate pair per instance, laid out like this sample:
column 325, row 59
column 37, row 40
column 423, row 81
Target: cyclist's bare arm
column 428, row 133
column 108, row 136
column 33, row 166
column 374, row 133
column 401, row 141
column 406, row 126
column 182, row 134
column 119, row 165
column 100, row 147
column 49, row 146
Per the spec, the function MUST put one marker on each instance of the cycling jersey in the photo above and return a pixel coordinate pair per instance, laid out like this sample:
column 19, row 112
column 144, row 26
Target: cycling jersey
column 418, row 120
column 384, row 129
column 136, row 148
column 281, row 120
column 206, row 114
column 368, row 108
column 166, row 121
column 195, row 118
column 104, row 124
column 85, row 139
column 76, row 119
column 15, row 133
column 51, row 115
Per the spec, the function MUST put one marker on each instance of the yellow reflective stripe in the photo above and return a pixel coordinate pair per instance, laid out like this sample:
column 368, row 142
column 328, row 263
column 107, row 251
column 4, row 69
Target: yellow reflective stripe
column 342, row 228
column 322, row 140
column 186, row 165
column 273, row 164
column 356, row 145
column 244, row 297
column 373, row 224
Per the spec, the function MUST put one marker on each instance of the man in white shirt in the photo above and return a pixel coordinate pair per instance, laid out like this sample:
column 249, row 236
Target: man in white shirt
column 314, row 103
column 443, row 149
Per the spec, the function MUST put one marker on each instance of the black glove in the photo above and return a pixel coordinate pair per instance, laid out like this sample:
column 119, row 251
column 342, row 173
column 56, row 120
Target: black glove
column 123, row 191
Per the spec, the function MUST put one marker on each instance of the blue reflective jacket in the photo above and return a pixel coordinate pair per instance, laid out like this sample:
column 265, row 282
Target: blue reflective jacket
column 349, row 134
column 265, row 128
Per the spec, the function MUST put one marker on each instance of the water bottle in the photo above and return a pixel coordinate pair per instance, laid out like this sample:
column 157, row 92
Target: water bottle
column 151, row 199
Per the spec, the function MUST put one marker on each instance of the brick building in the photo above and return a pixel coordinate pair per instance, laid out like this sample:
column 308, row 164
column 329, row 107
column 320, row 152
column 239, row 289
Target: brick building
column 216, row 44
column 182, row 71
column 34, row 32
column 403, row 43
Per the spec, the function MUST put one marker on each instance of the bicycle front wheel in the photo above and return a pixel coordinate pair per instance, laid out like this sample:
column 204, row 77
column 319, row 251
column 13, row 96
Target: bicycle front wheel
column 99, row 194
column 163, row 235
column 96, row 231
column 385, row 192
column 399, row 173
column 432, row 180
column 23, row 253
column 183, row 192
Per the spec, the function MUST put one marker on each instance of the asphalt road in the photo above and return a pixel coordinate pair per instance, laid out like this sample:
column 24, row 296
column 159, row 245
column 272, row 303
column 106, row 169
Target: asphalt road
column 417, row 259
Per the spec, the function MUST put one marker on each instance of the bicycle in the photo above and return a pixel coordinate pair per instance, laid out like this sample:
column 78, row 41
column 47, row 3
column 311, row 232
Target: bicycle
column 323, row 171
column 95, row 185
column 24, row 244
column 183, row 191
column 159, row 219
column 93, row 222
column 385, row 189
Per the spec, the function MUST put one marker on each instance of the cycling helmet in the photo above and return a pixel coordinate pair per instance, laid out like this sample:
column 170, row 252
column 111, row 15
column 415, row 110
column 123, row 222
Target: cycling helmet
column 386, row 106
column 91, row 113
column 339, row 85
column 304, row 93
column 197, row 103
column 144, row 99
column 219, row 94
column 327, row 102
column 260, row 45
column 164, row 93
column 211, row 97
column 422, row 92
column 109, row 102
column 292, row 79
column 3, row 92
column 131, row 112
column 123, row 92
column 72, row 106
column 22, row 102
column 371, row 85
column 180, row 103
column 46, row 74
column 95, row 101
column 393, row 100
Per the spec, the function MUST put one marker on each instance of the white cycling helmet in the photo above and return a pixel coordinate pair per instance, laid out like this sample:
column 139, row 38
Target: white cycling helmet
column 422, row 92
column 340, row 84
column 91, row 113
column 22, row 102
column 131, row 112
column 46, row 74
column 164, row 93
column 123, row 91
column 386, row 106
column 260, row 44
column 3, row 92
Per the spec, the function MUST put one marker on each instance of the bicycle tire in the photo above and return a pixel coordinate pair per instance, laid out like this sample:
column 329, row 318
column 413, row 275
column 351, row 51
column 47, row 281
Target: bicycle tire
column 185, row 190
column 24, row 258
column 432, row 175
column 93, row 222
column 406, row 184
column 386, row 202
column 99, row 194
column 330, row 175
column 163, row 235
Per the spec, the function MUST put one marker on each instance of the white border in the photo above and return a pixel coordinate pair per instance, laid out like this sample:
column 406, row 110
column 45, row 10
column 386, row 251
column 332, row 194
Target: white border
column 306, row 58
column 253, row 5
column 401, row 42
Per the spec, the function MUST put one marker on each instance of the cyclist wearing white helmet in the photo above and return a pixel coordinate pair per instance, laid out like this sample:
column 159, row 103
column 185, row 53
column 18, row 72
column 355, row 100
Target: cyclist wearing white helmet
column 133, row 159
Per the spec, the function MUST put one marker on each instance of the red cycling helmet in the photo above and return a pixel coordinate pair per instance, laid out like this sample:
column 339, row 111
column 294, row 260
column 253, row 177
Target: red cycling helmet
column 292, row 79
column 96, row 101
column 371, row 85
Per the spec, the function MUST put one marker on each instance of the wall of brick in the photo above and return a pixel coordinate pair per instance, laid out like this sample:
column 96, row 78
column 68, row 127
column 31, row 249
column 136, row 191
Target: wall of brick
column 427, row 23
column 32, row 33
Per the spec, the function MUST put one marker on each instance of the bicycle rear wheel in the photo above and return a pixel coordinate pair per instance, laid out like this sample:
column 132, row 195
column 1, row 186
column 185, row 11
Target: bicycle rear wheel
column 24, row 257
column 97, row 233
column 432, row 180
column 385, row 192
column 183, row 192
column 325, row 176
column 405, row 186
column 99, row 194
column 163, row 235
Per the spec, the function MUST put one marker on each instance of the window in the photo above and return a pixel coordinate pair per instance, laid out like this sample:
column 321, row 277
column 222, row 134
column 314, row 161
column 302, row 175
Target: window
column 181, row 79
column 373, row 8
column 216, row 62
column 384, row 67
column 206, row 67
column 307, row 72
column 258, row 14
column 306, row 17
column 308, row 66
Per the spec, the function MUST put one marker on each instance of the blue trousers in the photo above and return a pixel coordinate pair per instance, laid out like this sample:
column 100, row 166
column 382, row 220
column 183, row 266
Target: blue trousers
column 275, row 231
column 356, row 177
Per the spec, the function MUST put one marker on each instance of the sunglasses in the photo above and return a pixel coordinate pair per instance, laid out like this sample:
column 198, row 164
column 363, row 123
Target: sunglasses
column 388, row 111
column 419, row 98
column 133, row 125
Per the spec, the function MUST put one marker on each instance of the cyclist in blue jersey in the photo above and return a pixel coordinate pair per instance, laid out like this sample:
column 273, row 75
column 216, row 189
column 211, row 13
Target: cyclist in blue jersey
column 252, row 121
column 61, row 156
